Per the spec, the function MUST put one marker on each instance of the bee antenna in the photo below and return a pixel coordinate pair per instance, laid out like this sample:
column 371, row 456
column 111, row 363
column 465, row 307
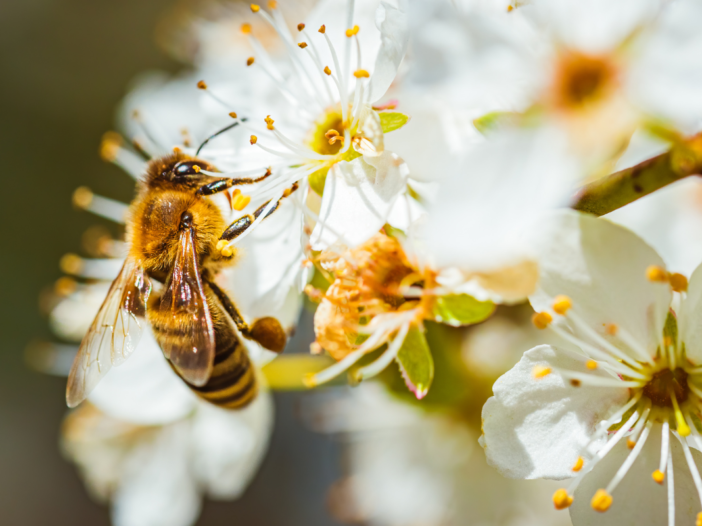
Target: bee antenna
column 226, row 128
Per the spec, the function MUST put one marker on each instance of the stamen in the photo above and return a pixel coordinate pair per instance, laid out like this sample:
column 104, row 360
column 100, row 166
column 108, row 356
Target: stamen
column 657, row 274
column 111, row 150
column 103, row 269
column 341, row 87
column 578, row 464
column 361, row 73
column 665, row 446
column 561, row 499
column 250, row 61
column 540, row 371
column 682, row 427
column 561, row 305
column 601, row 501
column 269, row 123
column 253, row 139
column 671, row 491
column 598, row 381
column 658, row 476
column 388, row 356
column 246, row 28
column 302, row 45
column 691, row 464
column 591, row 364
column 622, row 471
column 351, row 32
column 541, row 320
column 678, row 282
column 110, row 209
column 201, row 84
column 327, row 70
column 255, row 8
column 300, row 27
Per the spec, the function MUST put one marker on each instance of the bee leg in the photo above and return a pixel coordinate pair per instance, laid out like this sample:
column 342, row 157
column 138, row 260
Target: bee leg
column 237, row 227
column 266, row 331
column 221, row 185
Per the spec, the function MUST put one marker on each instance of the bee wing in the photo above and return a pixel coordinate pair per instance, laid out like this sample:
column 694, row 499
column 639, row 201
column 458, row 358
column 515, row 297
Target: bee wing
column 192, row 351
column 114, row 334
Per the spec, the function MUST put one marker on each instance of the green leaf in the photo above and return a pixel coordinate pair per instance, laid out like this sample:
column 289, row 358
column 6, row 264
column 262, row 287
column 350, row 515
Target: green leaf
column 494, row 120
column 461, row 309
column 392, row 120
column 416, row 363
column 319, row 178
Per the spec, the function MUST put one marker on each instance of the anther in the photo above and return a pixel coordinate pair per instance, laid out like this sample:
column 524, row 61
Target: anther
column 351, row 32
column 591, row 364
column 630, row 444
column 611, row 329
column 658, row 476
column 541, row 320
column 510, row 8
column 322, row 29
column 678, row 282
column 272, row 4
column 698, row 522
column 300, row 27
column 361, row 73
column 269, row 123
column 240, row 202
column 540, row 371
column 327, row 70
column 578, row 464
column 201, row 84
column 656, row 274
column 111, row 142
column 233, row 114
column 561, row 304
column 246, row 28
column 302, row 45
column 601, row 501
column 65, row 286
column 575, row 383
column 255, row 8
column 253, row 139
column 561, row 499
column 250, row 61
column 177, row 150
column 71, row 264
column 82, row 197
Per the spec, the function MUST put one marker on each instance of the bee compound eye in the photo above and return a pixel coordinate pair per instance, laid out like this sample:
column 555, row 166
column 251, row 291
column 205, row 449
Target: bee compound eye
column 188, row 168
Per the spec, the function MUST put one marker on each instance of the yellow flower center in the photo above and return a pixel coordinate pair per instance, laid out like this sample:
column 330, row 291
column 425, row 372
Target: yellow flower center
column 327, row 134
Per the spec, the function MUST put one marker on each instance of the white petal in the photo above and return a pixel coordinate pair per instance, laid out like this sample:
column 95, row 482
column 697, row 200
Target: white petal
column 394, row 34
column 72, row 316
column 157, row 488
column 482, row 218
column 228, row 446
column 637, row 498
column 690, row 318
column 358, row 197
column 537, row 428
column 602, row 268
column 144, row 389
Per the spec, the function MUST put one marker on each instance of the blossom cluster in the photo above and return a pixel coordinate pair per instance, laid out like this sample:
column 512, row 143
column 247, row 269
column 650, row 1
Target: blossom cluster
column 440, row 166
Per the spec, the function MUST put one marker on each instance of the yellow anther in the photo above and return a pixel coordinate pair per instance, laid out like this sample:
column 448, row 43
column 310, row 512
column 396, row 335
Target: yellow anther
column 71, row 264
column 541, row 320
column 601, row 501
column 300, row 27
column 630, row 443
column 561, row 499
column 561, row 304
column 246, row 28
column 591, row 364
column 177, row 150
column 683, row 429
column 269, row 123
column 302, row 45
column 351, row 32
column 82, row 197
column 658, row 476
column 201, row 84
column 327, row 70
column 233, row 114
column 250, row 61
column 578, row 464
column 656, row 274
column 272, row 4
column 322, row 29
column 65, row 286
column 575, row 383
column 361, row 73
column 698, row 522
column 509, row 8
column 255, row 8
column 678, row 282
column 253, row 139
column 240, row 202
column 540, row 371
column 612, row 329
column 109, row 147
column 309, row 380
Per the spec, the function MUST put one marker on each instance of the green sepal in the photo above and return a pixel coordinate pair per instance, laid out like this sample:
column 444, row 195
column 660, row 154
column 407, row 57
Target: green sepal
column 494, row 120
column 416, row 363
column 319, row 178
column 392, row 120
column 461, row 309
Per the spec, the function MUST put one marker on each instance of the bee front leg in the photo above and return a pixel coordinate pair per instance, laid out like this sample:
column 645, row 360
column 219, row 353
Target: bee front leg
column 223, row 184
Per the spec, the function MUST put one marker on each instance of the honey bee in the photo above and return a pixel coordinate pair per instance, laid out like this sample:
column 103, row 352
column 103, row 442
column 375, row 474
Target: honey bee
column 175, row 235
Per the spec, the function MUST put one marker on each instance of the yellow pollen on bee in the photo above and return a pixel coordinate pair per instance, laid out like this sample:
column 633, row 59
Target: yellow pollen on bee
column 227, row 251
column 322, row 29
column 233, row 114
column 351, row 32
column 327, row 70
column 630, row 443
column 253, row 139
column 300, row 27
column 541, row 320
column 302, row 45
column 658, row 476
column 246, row 28
column 656, row 274
column 255, row 8
column 250, row 61
column 201, row 84
column 561, row 304
column 196, row 168
column 578, row 464
column 540, row 371
column 240, row 202
column 591, row 364
column 82, row 197
column 611, row 329
column 601, row 501
column 269, row 123
column 561, row 499
column 678, row 282
column 361, row 73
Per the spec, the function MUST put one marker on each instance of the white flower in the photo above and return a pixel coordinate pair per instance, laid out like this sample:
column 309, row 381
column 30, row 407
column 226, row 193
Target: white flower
column 627, row 370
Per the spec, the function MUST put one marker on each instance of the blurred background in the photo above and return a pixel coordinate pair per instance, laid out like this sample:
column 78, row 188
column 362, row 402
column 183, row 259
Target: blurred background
column 66, row 66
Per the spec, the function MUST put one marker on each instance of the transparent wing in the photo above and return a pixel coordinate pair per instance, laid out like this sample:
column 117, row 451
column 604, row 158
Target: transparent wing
column 114, row 334
column 191, row 349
